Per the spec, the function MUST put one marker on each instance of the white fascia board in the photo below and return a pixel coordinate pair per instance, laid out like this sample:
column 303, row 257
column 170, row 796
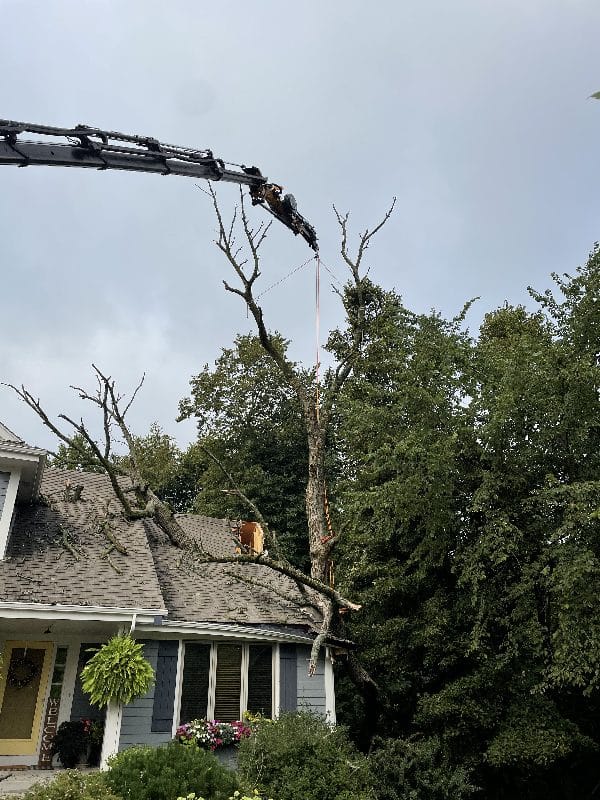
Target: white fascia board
column 15, row 610
column 224, row 631
column 6, row 514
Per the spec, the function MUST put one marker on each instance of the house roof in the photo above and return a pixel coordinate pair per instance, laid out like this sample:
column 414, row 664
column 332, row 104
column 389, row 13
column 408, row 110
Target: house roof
column 59, row 552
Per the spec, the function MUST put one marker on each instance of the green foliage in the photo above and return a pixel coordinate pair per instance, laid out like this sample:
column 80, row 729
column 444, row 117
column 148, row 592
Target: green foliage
column 301, row 756
column 471, row 499
column 72, row 785
column 70, row 743
column 252, row 422
column 235, row 796
column 164, row 773
column 79, row 456
column 411, row 769
column 117, row 671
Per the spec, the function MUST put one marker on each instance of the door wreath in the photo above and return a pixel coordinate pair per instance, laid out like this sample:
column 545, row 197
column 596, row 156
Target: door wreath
column 21, row 672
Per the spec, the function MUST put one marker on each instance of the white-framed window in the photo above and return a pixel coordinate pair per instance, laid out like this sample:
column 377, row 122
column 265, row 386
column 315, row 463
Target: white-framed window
column 222, row 680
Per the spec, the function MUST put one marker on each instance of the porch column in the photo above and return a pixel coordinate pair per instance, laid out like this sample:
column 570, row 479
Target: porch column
column 112, row 732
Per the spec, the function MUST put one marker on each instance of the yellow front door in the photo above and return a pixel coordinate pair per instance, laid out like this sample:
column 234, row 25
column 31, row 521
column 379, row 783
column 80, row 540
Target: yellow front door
column 23, row 684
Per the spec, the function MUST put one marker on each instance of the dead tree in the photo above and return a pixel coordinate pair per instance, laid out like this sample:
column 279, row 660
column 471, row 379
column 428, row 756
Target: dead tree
column 136, row 497
column 317, row 402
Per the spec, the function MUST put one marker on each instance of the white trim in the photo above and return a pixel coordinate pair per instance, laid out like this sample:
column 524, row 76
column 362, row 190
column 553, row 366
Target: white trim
column 276, row 683
column 224, row 630
column 212, row 682
column 178, row 684
column 329, row 688
column 6, row 514
column 18, row 610
column 244, row 664
column 69, row 679
column 112, row 732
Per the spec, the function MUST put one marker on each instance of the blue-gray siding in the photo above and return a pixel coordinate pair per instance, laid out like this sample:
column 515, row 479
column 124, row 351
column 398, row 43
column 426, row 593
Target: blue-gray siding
column 4, row 479
column 311, row 691
column 288, row 677
column 136, row 723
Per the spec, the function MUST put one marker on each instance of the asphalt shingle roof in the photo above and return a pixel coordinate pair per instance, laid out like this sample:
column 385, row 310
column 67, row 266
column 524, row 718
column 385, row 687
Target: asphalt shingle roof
column 57, row 553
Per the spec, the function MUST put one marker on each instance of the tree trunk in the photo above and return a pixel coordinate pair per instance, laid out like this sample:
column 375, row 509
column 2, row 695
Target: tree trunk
column 315, row 496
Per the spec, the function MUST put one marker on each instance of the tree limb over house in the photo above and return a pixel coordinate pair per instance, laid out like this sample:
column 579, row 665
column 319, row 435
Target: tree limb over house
column 139, row 501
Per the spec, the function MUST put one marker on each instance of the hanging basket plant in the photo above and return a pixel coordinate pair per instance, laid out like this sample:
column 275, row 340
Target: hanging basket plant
column 118, row 671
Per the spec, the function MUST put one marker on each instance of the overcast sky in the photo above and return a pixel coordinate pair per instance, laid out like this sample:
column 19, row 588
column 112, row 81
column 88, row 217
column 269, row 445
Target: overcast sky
column 474, row 113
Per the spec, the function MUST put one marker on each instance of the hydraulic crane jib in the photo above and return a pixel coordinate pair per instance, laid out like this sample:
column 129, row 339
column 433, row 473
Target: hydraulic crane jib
column 84, row 146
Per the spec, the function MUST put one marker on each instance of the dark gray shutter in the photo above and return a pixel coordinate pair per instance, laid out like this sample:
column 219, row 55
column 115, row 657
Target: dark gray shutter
column 194, row 687
column 164, row 687
column 81, row 707
column 288, row 677
column 260, row 679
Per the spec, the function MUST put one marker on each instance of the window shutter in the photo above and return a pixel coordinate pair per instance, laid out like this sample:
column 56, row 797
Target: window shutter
column 194, row 687
column 229, row 682
column 288, row 675
column 164, row 688
column 260, row 680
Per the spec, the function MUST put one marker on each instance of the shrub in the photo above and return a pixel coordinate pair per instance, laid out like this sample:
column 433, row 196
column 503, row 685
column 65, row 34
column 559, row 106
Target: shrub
column 118, row 671
column 404, row 769
column 300, row 755
column 235, row 796
column 164, row 773
column 72, row 785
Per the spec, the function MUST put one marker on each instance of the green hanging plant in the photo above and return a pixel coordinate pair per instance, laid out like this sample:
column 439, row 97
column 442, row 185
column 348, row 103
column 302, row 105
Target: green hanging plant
column 118, row 671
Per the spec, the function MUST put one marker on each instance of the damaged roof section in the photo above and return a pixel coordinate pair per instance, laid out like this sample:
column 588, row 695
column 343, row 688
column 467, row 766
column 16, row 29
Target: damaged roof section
column 74, row 547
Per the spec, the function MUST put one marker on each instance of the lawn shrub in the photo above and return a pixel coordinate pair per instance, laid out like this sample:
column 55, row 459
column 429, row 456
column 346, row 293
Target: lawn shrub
column 164, row 773
column 301, row 756
column 406, row 769
column 72, row 785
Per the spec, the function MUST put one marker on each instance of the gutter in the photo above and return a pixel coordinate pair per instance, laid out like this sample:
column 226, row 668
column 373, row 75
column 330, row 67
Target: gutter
column 19, row 610
column 224, row 630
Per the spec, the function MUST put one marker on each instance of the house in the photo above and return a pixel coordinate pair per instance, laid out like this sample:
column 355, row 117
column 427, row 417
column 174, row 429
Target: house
column 222, row 638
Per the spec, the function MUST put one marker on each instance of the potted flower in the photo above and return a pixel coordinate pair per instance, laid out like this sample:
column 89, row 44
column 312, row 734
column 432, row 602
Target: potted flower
column 70, row 743
column 212, row 734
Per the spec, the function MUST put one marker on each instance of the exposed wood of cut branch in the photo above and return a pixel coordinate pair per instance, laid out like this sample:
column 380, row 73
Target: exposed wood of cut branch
column 270, row 536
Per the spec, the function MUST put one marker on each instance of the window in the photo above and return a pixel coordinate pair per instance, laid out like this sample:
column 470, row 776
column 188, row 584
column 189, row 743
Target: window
column 222, row 680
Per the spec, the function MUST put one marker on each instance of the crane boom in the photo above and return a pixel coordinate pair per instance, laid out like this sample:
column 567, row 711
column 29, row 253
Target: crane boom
column 93, row 148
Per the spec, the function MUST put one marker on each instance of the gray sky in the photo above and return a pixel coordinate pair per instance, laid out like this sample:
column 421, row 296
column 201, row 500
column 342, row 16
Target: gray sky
column 474, row 113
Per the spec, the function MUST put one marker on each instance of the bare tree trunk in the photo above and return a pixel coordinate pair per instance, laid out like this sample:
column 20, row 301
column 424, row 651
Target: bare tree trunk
column 315, row 496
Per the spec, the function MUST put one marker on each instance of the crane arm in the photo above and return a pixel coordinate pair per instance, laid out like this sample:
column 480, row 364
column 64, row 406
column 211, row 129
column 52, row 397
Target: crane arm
column 93, row 148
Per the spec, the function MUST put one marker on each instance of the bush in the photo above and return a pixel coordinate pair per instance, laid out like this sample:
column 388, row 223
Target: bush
column 301, row 756
column 72, row 785
column 164, row 773
column 405, row 769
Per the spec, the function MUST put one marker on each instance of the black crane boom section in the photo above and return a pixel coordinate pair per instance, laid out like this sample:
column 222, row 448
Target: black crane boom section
column 93, row 148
